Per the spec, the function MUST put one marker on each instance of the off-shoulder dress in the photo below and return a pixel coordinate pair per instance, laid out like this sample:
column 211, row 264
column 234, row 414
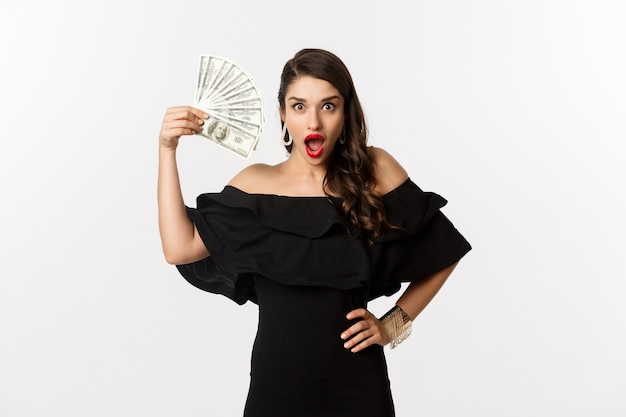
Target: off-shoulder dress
column 294, row 257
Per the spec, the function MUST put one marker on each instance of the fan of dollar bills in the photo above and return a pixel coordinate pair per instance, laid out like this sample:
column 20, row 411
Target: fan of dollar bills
column 235, row 106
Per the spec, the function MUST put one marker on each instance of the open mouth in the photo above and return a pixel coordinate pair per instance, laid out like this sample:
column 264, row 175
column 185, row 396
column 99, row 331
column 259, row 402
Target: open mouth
column 314, row 145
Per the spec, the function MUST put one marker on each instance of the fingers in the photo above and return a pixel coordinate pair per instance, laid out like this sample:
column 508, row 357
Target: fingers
column 359, row 312
column 366, row 332
column 184, row 118
column 185, row 112
column 179, row 121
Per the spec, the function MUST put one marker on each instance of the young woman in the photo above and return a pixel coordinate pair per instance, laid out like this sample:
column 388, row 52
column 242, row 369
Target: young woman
column 311, row 240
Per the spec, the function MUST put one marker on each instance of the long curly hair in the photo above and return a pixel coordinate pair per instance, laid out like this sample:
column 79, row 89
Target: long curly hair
column 350, row 173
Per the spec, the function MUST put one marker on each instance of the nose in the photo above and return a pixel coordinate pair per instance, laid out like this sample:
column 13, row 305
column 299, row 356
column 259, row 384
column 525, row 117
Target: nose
column 314, row 120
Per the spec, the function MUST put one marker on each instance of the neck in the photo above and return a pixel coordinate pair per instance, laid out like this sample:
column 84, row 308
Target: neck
column 296, row 165
column 305, row 176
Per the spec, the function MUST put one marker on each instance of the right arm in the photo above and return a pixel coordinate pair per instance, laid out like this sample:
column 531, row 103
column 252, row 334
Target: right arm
column 179, row 236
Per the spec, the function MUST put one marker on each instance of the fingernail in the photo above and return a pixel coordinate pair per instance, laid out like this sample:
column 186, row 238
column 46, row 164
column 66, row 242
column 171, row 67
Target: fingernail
column 343, row 335
column 206, row 116
column 346, row 345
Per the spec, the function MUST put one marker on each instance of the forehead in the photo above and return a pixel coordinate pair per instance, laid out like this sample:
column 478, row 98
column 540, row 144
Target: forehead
column 310, row 88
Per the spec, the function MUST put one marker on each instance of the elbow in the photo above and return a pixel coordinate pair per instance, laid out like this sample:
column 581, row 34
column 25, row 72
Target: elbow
column 173, row 259
column 174, row 256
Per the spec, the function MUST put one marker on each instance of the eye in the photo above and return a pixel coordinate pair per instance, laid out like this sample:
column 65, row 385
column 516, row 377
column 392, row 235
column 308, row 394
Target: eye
column 298, row 106
column 329, row 106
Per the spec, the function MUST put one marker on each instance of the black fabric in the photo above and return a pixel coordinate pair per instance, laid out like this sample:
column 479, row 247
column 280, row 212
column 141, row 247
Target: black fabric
column 293, row 256
column 304, row 241
column 299, row 366
column 422, row 241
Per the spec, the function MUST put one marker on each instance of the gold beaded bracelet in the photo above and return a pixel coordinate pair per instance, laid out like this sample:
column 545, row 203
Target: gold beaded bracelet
column 398, row 325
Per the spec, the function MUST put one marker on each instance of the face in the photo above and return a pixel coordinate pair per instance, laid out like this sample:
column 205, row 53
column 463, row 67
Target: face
column 220, row 130
column 314, row 116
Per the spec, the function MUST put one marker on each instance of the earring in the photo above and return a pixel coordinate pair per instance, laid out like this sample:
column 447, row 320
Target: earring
column 286, row 142
column 342, row 138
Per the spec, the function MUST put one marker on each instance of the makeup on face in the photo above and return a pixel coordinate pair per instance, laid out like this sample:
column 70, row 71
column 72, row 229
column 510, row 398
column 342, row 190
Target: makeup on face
column 314, row 116
column 314, row 145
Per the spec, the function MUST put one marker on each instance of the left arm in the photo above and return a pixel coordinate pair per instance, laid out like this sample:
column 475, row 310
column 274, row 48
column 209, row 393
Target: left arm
column 369, row 330
column 420, row 293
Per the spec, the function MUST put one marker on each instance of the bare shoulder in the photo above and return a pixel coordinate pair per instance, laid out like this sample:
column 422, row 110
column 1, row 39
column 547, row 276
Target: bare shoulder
column 253, row 178
column 389, row 173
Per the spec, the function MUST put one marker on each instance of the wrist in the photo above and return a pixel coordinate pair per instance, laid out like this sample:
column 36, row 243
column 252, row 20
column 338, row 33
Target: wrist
column 398, row 325
column 166, row 149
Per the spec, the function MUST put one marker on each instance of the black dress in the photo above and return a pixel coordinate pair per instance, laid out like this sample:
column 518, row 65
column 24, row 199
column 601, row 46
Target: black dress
column 294, row 257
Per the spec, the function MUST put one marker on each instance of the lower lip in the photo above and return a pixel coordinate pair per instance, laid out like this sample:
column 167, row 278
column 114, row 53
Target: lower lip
column 315, row 154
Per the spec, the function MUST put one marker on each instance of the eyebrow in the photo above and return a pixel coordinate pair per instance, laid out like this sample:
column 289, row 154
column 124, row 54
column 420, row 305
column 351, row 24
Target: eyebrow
column 324, row 99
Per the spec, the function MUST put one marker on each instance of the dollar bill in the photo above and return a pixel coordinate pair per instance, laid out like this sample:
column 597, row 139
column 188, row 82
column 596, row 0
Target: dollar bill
column 235, row 106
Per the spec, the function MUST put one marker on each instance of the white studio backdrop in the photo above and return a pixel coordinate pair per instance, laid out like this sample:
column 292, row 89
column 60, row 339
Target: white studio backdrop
column 513, row 111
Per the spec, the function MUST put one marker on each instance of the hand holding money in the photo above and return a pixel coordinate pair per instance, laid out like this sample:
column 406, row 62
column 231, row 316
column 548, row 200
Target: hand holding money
column 179, row 121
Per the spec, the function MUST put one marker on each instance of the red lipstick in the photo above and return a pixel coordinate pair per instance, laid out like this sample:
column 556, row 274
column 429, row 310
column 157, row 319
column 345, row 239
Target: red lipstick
column 314, row 144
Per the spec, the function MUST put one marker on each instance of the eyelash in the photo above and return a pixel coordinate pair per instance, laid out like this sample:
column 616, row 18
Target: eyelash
column 325, row 106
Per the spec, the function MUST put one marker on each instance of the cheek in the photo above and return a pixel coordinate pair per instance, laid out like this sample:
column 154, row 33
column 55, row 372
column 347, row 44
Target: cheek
column 339, row 126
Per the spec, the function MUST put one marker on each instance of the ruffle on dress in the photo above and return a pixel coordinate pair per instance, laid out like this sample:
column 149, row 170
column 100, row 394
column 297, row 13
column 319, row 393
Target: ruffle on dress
column 421, row 242
column 305, row 241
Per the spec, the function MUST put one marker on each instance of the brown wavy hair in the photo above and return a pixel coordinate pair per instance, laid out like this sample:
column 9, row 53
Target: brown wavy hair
column 350, row 173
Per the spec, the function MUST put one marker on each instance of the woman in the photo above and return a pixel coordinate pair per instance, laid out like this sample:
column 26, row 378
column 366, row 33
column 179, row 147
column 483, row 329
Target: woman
column 311, row 240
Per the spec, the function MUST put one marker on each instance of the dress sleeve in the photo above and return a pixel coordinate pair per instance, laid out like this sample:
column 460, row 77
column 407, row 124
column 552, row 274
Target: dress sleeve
column 219, row 225
column 293, row 241
column 420, row 241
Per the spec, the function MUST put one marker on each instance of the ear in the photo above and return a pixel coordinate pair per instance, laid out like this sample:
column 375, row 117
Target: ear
column 282, row 114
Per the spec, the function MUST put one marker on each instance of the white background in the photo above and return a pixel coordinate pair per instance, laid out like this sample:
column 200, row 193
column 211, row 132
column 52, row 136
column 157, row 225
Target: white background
column 513, row 111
